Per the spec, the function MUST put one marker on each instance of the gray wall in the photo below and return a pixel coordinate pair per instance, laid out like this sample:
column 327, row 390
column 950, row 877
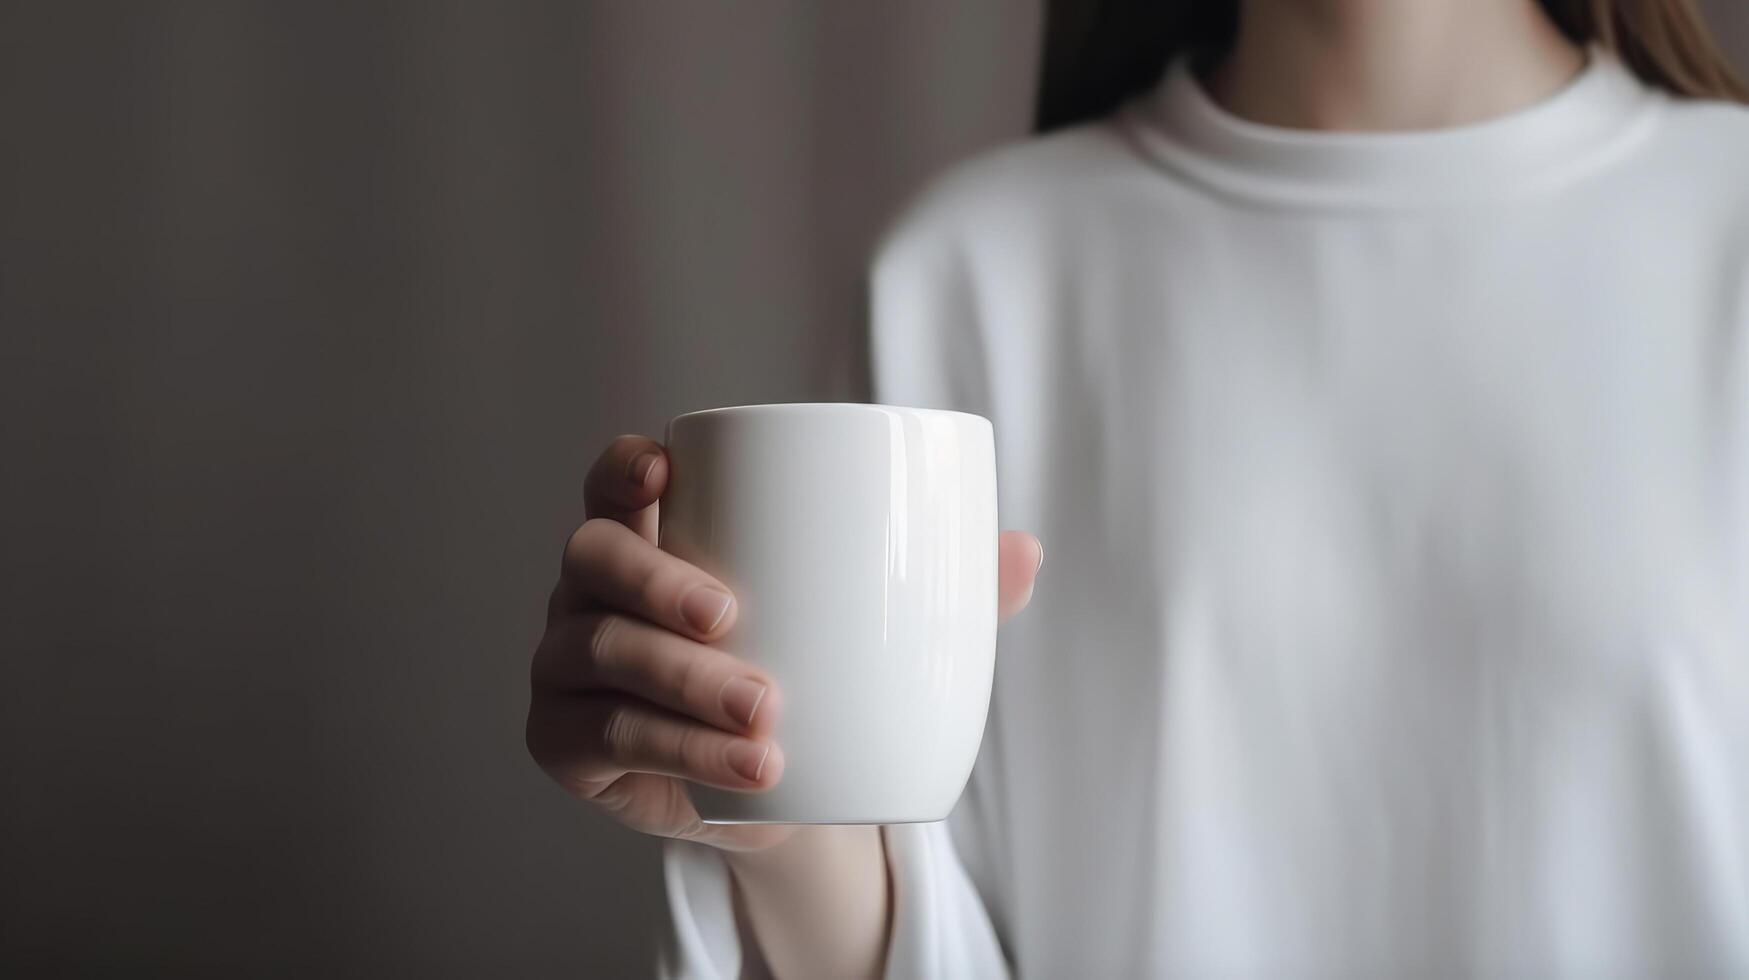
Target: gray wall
column 1730, row 20
column 311, row 315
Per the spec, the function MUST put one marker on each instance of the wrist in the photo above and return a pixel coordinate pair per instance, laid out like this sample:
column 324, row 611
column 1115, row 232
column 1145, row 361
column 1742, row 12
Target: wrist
column 819, row 903
column 808, row 849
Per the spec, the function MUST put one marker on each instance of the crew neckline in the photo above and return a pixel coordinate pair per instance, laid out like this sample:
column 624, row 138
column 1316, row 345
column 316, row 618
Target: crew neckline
column 1600, row 111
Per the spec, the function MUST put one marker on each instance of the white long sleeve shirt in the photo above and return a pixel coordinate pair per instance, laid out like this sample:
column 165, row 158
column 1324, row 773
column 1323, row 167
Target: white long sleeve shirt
column 1395, row 492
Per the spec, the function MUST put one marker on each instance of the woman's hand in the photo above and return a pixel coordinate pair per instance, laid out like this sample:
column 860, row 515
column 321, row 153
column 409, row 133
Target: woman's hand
column 628, row 696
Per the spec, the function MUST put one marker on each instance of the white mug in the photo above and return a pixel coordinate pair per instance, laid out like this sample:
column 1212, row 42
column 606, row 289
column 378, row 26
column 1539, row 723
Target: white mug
column 860, row 544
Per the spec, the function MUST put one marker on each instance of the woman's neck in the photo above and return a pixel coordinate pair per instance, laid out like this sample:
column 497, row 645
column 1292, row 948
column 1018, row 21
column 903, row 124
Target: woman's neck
column 1371, row 65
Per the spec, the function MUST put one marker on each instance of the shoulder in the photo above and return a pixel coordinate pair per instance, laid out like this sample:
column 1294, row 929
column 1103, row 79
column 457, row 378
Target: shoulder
column 963, row 270
column 1003, row 197
column 1707, row 142
column 1715, row 118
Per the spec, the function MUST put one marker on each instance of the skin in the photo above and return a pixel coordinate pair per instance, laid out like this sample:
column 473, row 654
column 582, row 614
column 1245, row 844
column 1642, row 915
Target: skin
column 628, row 696
column 1390, row 65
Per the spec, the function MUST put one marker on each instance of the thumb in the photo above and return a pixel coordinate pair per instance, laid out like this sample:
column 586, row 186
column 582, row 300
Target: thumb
column 1018, row 558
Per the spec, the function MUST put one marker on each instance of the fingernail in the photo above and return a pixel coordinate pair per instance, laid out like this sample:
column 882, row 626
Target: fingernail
column 748, row 758
column 704, row 607
column 741, row 698
column 638, row 470
column 1041, row 556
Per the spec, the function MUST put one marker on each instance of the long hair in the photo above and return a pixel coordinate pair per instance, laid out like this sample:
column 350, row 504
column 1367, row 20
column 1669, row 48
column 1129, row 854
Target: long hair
column 1097, row 53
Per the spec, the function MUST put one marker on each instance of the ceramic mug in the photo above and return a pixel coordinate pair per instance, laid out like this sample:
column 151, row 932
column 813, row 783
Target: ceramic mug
column 860, row 543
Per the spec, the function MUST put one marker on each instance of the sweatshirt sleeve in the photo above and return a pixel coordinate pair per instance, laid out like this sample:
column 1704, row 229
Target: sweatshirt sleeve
column 925, row 353
column 940, row 927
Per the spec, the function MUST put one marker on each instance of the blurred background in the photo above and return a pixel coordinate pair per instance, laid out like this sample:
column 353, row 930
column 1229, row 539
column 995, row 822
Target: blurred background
column 312, row 317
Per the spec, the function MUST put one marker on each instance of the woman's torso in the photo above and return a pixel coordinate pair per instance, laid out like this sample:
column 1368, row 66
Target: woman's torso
column 1396, row 615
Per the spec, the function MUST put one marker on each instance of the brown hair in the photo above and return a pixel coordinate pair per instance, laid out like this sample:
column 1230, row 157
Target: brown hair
column 1097, row 53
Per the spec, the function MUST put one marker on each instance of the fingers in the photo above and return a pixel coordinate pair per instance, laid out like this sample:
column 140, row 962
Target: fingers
column 603, row 651
column 1019, row 557
column 607, row 565
column 588, row 742
column 625, row 482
